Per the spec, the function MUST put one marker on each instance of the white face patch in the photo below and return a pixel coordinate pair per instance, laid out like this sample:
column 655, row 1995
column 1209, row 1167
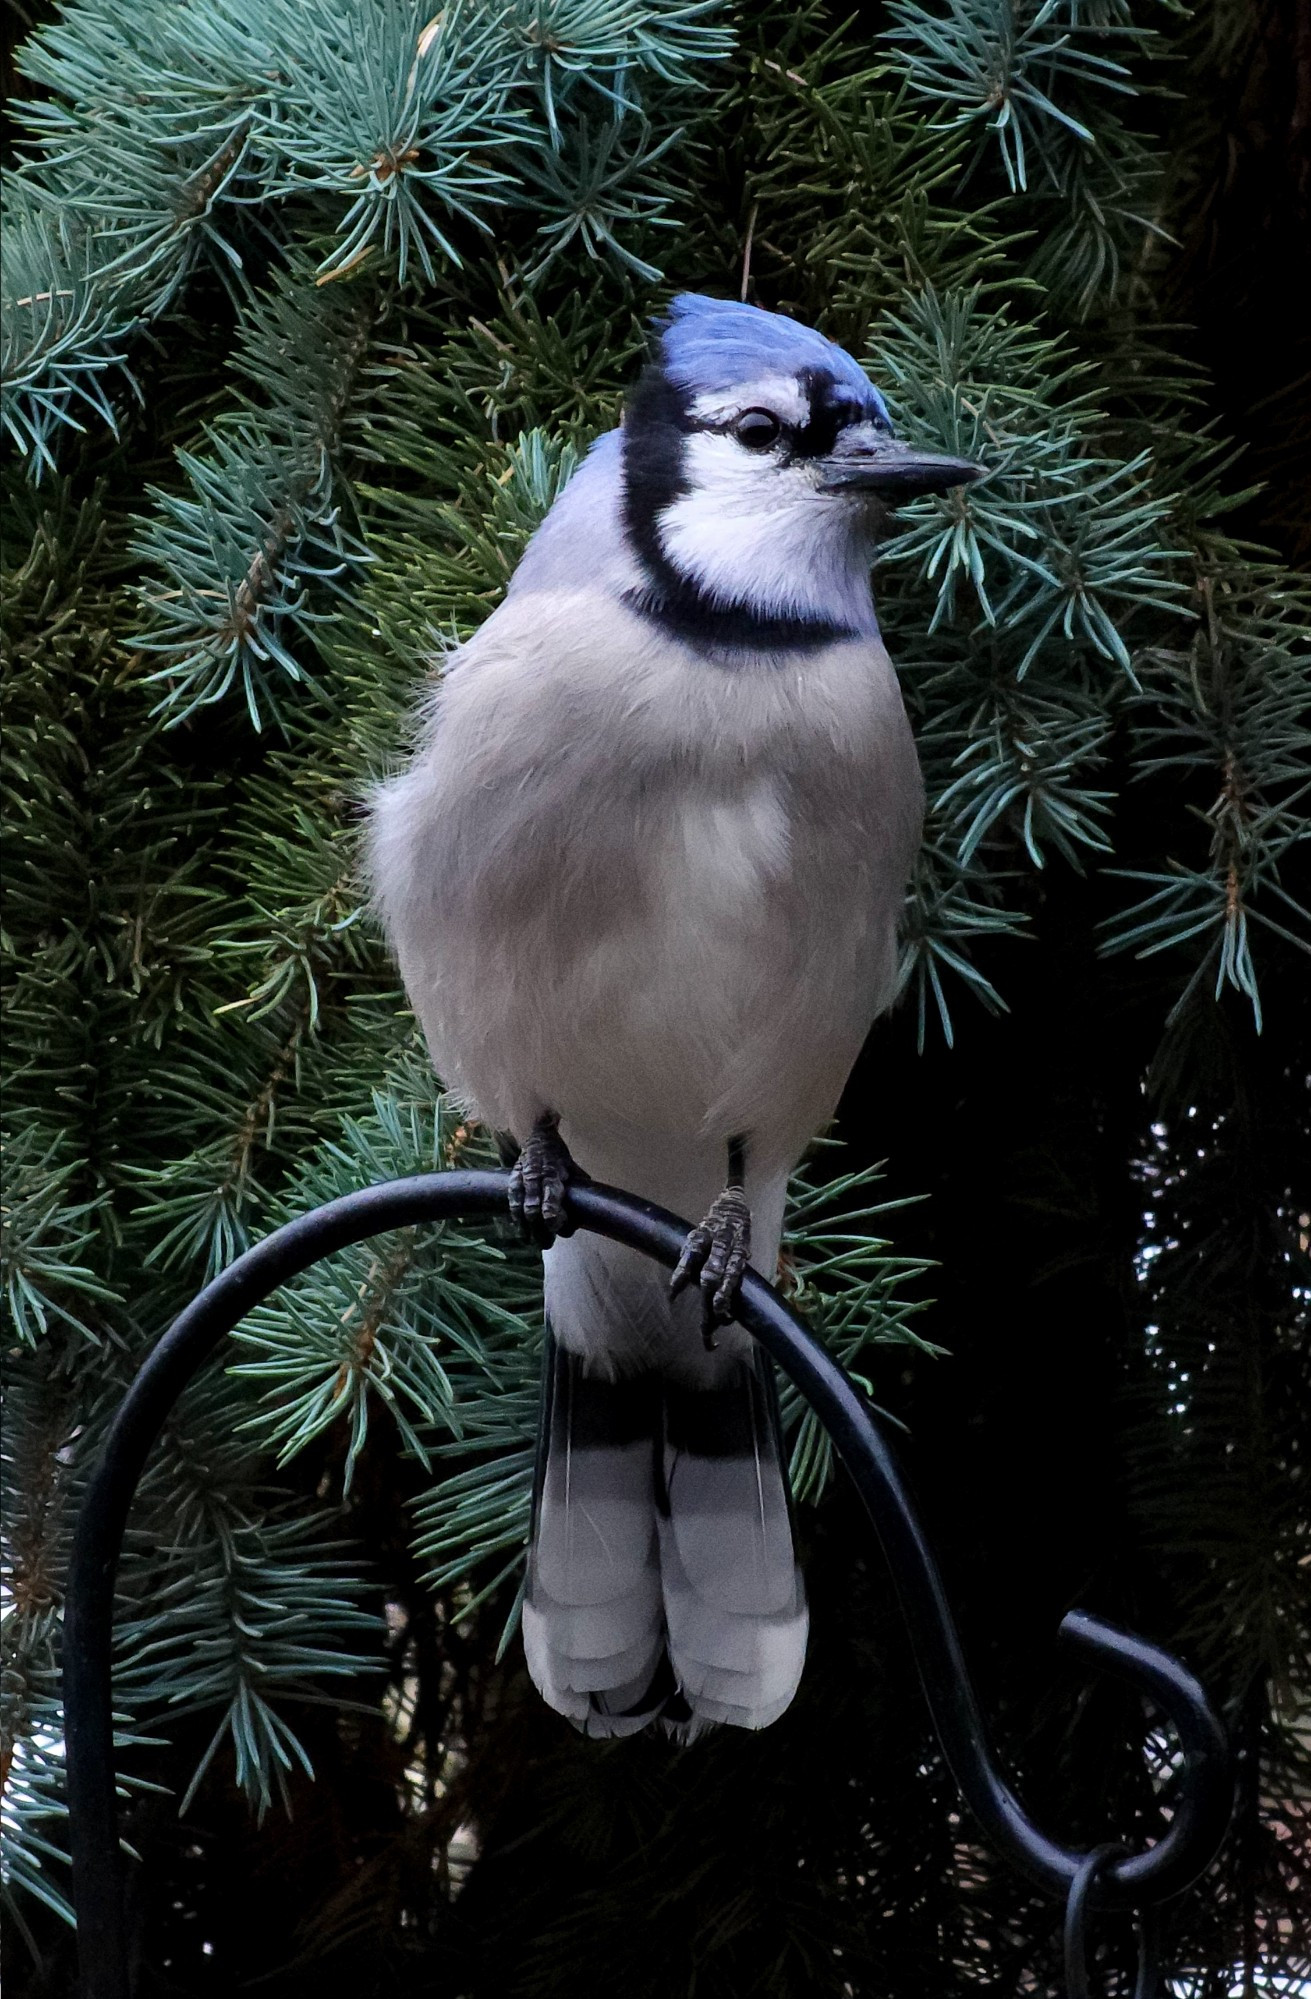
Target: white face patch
column 756, row 530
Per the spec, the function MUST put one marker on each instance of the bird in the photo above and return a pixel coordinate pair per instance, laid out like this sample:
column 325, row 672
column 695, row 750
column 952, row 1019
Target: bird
column 642, row 878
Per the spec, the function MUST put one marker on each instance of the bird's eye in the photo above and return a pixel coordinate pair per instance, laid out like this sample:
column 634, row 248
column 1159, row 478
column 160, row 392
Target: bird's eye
column 757, row 429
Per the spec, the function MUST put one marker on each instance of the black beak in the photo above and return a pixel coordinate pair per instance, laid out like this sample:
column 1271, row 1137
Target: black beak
column 893, row 471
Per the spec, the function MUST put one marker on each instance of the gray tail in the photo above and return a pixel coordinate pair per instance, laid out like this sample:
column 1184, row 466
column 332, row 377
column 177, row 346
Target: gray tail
column 662, row 1582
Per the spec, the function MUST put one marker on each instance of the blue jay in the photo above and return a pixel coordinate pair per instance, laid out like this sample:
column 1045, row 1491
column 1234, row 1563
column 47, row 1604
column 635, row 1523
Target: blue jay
column 642, row 879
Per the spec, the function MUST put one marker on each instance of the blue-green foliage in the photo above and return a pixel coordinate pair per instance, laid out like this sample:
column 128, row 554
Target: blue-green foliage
column 1041, row 82
column 1231, row 693
column 166, row 125
column 1018, row 69
column 1006, row 606
column 251, row 1601
column 423, row 1324
column 45, row 1233
column 408, row 132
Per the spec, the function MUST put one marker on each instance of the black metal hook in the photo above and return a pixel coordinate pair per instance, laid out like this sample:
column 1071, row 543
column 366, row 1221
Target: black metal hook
column 1074, row 1930
column 1132, row 1881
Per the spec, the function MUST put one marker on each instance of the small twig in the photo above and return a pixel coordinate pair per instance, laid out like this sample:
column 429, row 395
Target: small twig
column 746, row 250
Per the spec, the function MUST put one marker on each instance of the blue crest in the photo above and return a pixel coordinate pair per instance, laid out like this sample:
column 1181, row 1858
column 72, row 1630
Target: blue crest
column 709, row 345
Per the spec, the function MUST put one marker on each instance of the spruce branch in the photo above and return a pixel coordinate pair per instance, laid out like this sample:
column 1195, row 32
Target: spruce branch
column 63, row 332
column 1233, row 703
column 304, row 923
column 596, row 189
column 1017, row 66
column 252, row 1617
column 44, row 1236
column 197, row 1211
column 847, row 1281
column 247, row 558
column 419, row 1324
column 948, row 910
column 233, row 1599
column 120, row 200
column 1026, row 763
column 600, row 43
column 844, row 183
column 155, row 133
column 1058, row 536
column 390, row 109
column 32, row 1804
column 34, row 1527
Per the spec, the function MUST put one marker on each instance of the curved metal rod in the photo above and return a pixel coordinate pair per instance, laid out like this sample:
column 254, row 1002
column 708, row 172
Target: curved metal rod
column 1202, row 1811
column 1074, row 1931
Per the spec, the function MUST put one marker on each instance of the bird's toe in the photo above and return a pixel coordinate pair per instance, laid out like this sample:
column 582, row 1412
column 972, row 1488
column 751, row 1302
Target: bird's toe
column 539, row 1182
column 715, row 1258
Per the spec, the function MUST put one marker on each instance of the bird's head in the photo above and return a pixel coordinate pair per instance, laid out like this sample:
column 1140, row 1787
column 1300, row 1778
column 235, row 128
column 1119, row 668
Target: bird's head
column 759, row 466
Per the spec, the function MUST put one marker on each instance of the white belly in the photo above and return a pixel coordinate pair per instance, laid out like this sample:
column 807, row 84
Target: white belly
column 732, row 999
column 655, row 898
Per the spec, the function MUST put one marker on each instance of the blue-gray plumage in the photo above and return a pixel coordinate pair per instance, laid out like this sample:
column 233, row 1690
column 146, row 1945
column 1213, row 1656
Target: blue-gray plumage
column 642, row 879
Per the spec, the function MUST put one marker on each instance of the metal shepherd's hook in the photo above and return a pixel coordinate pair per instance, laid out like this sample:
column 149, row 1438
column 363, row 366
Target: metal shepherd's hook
column 1115, row 1877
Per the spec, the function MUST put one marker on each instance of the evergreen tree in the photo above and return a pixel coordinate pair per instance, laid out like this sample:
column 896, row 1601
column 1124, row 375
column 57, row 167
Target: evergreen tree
column 309, row 314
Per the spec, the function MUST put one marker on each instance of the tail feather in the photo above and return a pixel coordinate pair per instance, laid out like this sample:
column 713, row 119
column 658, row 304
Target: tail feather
column 593, row 1619
column 596, row 1533
column 726, row 1494
column 605, row 1673
column 593, row 1532
column 606, row 1630
column 763, row 1685
column 707, row 1710
column 662, row 1582
column 705, row 1640
column 619, row 1708
column 735, row 1608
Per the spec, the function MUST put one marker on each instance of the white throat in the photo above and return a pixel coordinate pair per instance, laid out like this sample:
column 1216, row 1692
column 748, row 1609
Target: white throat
column 752, row 532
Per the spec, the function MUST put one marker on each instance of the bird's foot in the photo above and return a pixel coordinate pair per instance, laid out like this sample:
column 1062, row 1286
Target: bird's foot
column 538, row 1180
column 715, row 1257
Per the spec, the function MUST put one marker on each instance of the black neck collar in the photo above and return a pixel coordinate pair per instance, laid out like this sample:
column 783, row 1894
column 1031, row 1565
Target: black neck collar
column 687, row 613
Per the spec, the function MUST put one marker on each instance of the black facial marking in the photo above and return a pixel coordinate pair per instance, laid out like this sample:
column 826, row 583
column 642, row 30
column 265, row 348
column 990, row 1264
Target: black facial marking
column 657, row 423
column 832, row 407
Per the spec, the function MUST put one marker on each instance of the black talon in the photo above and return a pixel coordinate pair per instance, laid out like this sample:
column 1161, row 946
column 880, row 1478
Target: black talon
column 538, row 1182
column 715, row 1257
column 688, row 1267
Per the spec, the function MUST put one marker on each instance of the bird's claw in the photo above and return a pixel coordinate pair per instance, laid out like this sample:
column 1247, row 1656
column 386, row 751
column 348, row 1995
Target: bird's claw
column 715, row 1257
column 538, row 1182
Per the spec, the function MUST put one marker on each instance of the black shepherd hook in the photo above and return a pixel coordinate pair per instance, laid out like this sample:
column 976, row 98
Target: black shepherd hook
column 1125, row 1881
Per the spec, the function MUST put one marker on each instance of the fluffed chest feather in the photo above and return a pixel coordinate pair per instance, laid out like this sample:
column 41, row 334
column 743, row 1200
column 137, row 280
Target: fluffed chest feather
column 691, row 859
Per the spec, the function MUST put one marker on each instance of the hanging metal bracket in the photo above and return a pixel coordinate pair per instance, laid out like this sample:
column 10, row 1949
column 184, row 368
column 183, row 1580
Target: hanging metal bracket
column 1126, row 1881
